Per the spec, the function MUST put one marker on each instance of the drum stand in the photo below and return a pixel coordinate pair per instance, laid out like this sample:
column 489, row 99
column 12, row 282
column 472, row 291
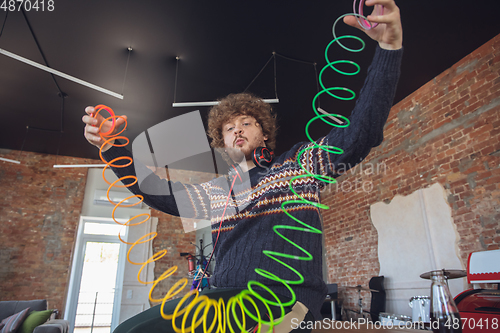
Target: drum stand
column 360, row 299
column 360, row 303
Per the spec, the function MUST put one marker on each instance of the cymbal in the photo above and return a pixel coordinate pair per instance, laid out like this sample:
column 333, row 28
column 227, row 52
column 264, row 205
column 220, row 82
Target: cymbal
column 359, row 288
column 448, row 273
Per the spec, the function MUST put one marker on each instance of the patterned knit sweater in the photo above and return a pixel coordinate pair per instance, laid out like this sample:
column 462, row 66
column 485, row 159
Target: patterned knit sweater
column 253, row 210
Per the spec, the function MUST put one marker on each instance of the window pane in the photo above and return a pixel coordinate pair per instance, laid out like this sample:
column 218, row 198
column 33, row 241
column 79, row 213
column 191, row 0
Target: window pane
column 94, row 228
column 97, row 288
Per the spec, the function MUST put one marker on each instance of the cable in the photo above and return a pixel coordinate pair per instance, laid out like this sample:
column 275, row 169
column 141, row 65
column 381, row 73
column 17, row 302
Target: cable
column 176, row 72
column 126, row 70
column 4, row 21
column 262, row 69
column 61, row 93
column 275, row 78
column 40, row 50
column 220, row 225
column 296, row 60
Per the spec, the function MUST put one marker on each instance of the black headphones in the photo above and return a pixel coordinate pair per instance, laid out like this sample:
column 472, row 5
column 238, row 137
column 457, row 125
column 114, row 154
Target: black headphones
column 263, row 157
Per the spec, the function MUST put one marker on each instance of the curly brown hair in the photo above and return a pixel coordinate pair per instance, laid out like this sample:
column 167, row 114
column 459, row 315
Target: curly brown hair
column 241, row 104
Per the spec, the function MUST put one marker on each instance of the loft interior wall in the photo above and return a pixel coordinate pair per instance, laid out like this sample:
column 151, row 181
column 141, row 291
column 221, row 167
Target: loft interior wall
column 447, row 132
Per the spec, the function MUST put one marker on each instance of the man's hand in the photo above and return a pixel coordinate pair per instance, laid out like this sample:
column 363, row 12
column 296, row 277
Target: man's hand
column 92, row 125
column 389, row 32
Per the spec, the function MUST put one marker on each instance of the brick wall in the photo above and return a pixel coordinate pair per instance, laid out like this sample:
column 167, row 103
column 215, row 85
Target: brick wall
column 40, row 210
column 448, row 131
column 171, row 237
column 39, row 213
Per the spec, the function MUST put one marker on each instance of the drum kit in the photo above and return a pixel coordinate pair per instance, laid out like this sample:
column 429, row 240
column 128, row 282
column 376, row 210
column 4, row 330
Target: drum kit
column 420, row 305
column 360, row 300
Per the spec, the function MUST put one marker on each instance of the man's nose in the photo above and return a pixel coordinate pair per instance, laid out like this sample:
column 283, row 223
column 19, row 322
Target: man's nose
column 238, row 130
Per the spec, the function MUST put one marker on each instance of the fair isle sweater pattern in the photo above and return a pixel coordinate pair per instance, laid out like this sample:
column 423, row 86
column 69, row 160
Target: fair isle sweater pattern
column 267, row 196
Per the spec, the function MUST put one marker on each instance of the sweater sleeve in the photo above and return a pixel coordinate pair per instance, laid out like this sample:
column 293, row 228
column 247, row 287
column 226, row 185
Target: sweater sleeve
column 367, row 119
column 174, row 198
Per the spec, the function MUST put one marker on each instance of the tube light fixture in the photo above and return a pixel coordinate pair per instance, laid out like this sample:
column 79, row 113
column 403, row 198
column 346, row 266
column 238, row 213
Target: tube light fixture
column 58, row 73
column 184, row 104
column 9, row 160
column 79, row 165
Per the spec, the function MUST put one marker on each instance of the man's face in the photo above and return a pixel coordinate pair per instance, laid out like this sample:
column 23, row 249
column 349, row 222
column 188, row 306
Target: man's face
column 243, row 133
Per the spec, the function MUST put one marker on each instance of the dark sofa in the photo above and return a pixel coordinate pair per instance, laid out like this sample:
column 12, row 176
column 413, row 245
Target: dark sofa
column 8, row 308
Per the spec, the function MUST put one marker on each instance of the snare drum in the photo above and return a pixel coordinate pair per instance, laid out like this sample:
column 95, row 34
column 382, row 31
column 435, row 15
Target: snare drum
column 386, row 318
column 421, row 308
column 391, row 319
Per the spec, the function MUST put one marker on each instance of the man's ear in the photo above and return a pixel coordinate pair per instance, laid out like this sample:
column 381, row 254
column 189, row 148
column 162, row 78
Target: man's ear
column 259, row 125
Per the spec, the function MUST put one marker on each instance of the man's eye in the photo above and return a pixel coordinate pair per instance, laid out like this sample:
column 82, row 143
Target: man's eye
column 246, row 124
column 229, row 129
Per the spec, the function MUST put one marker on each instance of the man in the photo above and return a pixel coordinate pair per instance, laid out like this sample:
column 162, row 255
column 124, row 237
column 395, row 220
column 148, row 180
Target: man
column 240, row 124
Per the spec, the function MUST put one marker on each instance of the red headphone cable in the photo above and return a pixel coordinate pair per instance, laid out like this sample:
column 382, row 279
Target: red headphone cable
column 220, row 225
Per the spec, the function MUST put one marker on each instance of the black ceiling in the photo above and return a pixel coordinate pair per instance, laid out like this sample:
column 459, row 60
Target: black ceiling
column 221, row 45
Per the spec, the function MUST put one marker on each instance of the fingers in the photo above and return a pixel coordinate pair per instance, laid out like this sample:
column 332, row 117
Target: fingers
column 91, row 130
column 390, row 12
column 93, row 127
column 351, row 20
column 388, row 18
column 388, row 4
column 120, row 121
column 388, row 31
column 384, row 11
column 89, row 110
column 88, row 119
column 91, row 133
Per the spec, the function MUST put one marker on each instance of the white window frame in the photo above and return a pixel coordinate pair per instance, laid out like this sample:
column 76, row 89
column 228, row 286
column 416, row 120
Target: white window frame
column 77, row 267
